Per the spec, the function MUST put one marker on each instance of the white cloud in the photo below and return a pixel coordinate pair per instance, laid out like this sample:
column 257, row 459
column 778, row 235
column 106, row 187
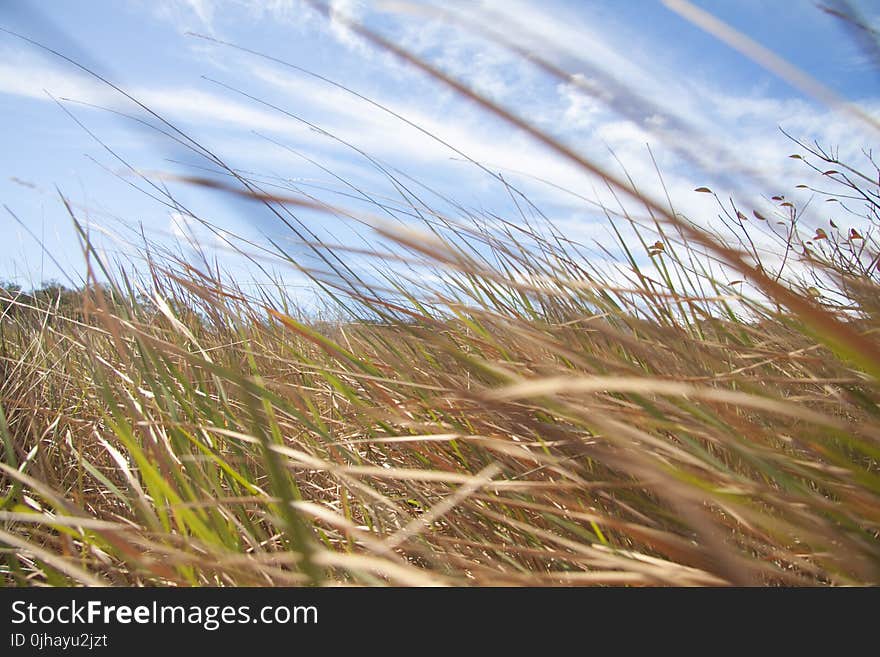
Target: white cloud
column 33, row 80
column 185, row 15
column 745, row 124
column 204, row 9
column 342, row 11
column 181, row 226
column 481, row 64
column 215, row 16
column 22, row 77
column 581, row 109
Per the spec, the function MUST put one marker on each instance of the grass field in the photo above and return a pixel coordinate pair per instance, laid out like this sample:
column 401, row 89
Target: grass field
column 704, row 413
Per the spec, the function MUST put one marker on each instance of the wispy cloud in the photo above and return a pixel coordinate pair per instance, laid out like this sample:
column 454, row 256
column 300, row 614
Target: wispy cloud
column 186, row 14
column 591, row 123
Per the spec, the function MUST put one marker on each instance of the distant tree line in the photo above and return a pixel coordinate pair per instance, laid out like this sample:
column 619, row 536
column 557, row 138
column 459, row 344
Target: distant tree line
column 14, row 299
column 52, row 296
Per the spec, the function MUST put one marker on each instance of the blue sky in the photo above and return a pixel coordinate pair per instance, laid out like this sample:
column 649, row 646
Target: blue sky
column 143, row 46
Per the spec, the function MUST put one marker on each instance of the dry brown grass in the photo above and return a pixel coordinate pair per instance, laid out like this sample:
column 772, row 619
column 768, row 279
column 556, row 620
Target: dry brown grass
column 529, row 422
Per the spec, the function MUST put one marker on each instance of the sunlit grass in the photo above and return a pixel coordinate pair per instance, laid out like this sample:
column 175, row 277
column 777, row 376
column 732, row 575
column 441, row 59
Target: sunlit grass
column 488, row 408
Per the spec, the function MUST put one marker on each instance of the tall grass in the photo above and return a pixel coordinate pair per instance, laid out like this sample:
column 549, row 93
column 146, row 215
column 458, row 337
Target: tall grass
column 490, row 409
